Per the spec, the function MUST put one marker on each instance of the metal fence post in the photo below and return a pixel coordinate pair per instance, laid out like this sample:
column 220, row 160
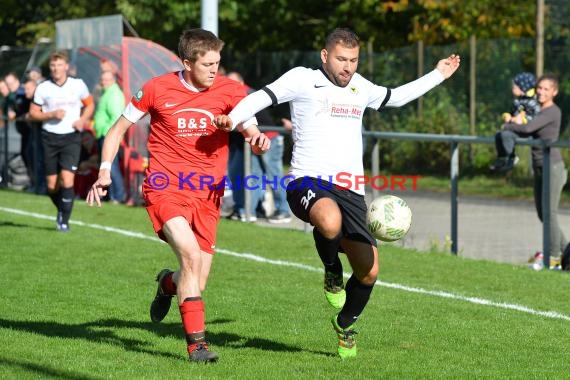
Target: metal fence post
column 454, row 180
column 246, row 174
column 375, row 165
column 4, row 175
column 546, row 206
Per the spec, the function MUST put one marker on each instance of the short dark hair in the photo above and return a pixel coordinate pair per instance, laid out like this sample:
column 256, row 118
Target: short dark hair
column 551, row 77
column 342, row 36
column 196, row 42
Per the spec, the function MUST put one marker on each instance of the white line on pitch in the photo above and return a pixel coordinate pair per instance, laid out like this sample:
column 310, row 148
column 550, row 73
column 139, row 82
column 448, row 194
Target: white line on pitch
column 260, row 259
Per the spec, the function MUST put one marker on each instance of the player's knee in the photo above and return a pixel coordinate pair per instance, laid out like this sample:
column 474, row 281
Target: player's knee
column 370, row 277
column 327, row 218
column 329, row 230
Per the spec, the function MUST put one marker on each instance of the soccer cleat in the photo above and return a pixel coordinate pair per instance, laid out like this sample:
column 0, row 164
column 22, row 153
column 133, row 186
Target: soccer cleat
column 346, row 340
column 334, row 290
column 59, row 225
column 201, row 353
column 62, row 227
column 161, row 303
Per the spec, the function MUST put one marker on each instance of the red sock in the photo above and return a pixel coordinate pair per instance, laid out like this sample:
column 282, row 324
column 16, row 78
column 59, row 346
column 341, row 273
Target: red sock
column 167, row 284
column 192, row 313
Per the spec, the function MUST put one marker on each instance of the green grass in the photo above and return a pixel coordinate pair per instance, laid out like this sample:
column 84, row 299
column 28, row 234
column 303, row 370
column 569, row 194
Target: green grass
column 75, row 306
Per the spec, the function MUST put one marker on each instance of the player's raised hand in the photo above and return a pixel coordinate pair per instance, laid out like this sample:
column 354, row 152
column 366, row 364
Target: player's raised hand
column 223, row 122
column 259, row 143
column 449, row 65
column 99, row 189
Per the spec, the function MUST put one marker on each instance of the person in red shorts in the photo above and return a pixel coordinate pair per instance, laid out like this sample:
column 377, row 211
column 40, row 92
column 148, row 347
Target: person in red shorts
column 185, row 177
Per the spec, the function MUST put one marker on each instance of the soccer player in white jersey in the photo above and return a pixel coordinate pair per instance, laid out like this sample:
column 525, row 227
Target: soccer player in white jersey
column 327, row 105
column 64, row 106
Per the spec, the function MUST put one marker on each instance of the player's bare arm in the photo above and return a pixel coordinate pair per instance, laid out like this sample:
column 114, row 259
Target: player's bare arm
column 110, row 148
column 37, row 114
column 449, row 65
column 258, row 141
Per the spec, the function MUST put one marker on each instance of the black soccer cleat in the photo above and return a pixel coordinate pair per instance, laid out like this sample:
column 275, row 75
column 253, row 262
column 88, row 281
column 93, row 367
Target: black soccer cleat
column 201, row 354
column 161, row 303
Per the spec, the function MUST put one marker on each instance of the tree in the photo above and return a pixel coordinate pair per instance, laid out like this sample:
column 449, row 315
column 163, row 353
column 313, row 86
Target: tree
column 282, row 25
column 27, row 21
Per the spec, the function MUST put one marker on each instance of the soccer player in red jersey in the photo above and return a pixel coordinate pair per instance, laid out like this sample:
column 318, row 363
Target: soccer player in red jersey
column 186, row 173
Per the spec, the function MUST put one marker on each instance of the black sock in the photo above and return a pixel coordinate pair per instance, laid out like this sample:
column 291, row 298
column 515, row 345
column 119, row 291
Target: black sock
column 357, row 296
column 66, row 203
column 54, row 196
column 328, row 251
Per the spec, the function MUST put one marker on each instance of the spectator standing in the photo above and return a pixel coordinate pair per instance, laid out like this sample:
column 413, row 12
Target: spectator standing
column 185, row 151
column 327, row 106
column 64, row 105
column 4, row 92
column 35, row 150
column 108, row 110
column 526, row 107
column 269, row 165
column 546, row 126
column 17, row 106
column 35, row 74
column 273, row 166
column 236, row 168
column 88, row 168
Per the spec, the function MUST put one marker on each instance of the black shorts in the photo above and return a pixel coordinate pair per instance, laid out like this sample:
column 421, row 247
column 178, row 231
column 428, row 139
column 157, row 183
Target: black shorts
column 61, row 151
column 303, row 192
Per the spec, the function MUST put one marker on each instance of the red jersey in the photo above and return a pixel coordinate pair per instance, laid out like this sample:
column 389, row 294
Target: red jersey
column 188, row 155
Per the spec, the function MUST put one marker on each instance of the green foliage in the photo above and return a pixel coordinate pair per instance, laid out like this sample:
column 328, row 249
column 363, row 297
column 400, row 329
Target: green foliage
column 281, row 25
column 27, row 21
column 439, row 116
column 457, row 20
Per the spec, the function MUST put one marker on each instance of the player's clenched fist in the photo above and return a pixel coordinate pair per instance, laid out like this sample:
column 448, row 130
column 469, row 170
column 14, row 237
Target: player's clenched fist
column 223, row 122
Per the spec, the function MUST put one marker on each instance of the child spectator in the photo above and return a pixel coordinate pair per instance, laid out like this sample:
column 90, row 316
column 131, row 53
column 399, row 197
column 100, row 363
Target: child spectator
column 525, row 106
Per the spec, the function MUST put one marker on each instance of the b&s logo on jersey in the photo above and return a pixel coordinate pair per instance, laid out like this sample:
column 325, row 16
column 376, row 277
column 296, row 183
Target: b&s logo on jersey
column 193, row 122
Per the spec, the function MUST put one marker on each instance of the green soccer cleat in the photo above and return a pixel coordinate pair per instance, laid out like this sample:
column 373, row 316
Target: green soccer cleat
column 346, row 340
column 334, row 290
column 161, row 303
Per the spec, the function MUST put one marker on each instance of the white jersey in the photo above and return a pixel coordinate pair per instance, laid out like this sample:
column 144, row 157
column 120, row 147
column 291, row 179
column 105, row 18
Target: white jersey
column 68, row 96
column 327, row 119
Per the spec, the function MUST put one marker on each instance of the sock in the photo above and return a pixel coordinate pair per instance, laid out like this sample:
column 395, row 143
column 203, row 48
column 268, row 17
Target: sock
column 54, row 196
column 328, row 251
column 192, row 313
column 167, row 285
column 357, row 296
column 66, row 203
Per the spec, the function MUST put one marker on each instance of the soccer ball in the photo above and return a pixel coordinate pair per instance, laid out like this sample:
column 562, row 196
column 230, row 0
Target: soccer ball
column 389, row 218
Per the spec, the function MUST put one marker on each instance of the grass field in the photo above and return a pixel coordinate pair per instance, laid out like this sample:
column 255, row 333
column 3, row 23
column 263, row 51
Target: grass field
column 75, row 306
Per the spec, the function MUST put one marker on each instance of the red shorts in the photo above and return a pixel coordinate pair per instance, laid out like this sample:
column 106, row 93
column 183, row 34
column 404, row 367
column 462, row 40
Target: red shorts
column 202, row 216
